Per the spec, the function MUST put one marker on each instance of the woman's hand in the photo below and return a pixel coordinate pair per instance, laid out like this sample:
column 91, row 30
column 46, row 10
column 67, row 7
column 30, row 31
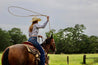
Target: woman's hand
column 40, row 36
column 47, row 18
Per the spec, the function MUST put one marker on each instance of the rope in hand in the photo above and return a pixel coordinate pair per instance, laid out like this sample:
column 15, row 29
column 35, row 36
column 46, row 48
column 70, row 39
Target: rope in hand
column 38, row 14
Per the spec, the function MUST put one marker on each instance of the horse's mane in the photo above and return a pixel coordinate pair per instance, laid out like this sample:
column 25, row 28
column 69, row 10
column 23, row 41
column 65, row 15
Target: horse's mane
column 47, row 41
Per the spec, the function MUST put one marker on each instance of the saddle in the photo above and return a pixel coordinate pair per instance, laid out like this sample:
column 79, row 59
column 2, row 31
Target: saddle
column 35, row 52
column 32, row 50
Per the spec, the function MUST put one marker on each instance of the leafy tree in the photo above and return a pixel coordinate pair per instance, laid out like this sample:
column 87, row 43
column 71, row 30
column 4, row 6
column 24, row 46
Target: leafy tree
column 72, row 40
column 17, row 36
column 48, row 34
column 93, row 44
column 4, row 39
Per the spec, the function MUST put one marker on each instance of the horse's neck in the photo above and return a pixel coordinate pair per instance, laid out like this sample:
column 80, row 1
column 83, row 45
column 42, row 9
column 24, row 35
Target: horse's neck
column 46, row 47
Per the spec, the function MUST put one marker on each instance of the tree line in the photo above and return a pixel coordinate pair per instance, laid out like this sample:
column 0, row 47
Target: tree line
column 10, row 37
column 73, row 40
column 68, row 40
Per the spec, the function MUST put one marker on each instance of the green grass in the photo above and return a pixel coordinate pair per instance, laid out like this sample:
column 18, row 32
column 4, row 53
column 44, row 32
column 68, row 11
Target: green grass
column 74, row 59
column 0, row 58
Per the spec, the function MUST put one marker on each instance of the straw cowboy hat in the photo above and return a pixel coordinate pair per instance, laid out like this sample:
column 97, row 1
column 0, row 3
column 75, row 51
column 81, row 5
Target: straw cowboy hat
column 35, row 19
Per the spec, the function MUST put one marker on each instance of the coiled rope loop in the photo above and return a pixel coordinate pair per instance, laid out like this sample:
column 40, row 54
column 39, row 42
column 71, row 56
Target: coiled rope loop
column 38, row 14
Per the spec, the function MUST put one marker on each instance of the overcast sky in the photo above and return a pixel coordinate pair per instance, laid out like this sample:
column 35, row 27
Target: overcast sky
column 63, row 14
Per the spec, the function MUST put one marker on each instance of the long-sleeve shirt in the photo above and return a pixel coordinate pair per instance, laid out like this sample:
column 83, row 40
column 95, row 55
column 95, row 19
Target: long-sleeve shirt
column 36, row 28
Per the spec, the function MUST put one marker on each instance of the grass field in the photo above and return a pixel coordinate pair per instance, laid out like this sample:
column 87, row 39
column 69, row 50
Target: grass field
column 0, row 58
column 74, row 59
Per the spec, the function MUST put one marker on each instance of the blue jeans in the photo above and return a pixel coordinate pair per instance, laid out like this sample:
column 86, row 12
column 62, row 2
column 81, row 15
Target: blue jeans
column 33, row 40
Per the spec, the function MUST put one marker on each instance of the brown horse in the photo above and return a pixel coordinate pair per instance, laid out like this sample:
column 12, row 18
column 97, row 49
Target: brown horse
column 18, row 54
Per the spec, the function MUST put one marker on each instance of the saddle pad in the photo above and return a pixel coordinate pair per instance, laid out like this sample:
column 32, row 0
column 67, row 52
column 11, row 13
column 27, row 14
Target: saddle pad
column 28, row 43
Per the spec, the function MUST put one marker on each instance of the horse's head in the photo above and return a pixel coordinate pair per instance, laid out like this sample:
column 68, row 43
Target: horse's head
column 51, row 43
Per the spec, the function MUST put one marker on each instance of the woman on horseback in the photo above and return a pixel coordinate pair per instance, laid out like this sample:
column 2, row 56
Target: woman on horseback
column 33, row 34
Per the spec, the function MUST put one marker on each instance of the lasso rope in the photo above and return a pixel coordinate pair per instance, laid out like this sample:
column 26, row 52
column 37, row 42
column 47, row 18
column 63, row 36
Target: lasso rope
column 38, row 14
column 25, row 10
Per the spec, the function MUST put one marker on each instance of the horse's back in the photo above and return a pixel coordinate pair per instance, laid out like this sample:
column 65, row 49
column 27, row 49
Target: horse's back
column 17, row 53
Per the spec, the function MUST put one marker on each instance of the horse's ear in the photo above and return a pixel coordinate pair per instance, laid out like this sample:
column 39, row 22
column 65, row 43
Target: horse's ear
column 51, row 36
column 47, row 36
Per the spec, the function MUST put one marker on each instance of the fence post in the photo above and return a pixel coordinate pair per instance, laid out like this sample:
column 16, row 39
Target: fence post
column 84, row 59
column 67, row 60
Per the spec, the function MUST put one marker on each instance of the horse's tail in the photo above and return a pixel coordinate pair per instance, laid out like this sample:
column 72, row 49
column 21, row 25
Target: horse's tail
column 5, row 57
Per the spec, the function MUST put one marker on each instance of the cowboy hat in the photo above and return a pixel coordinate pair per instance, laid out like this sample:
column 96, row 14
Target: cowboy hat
column 35, row 19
